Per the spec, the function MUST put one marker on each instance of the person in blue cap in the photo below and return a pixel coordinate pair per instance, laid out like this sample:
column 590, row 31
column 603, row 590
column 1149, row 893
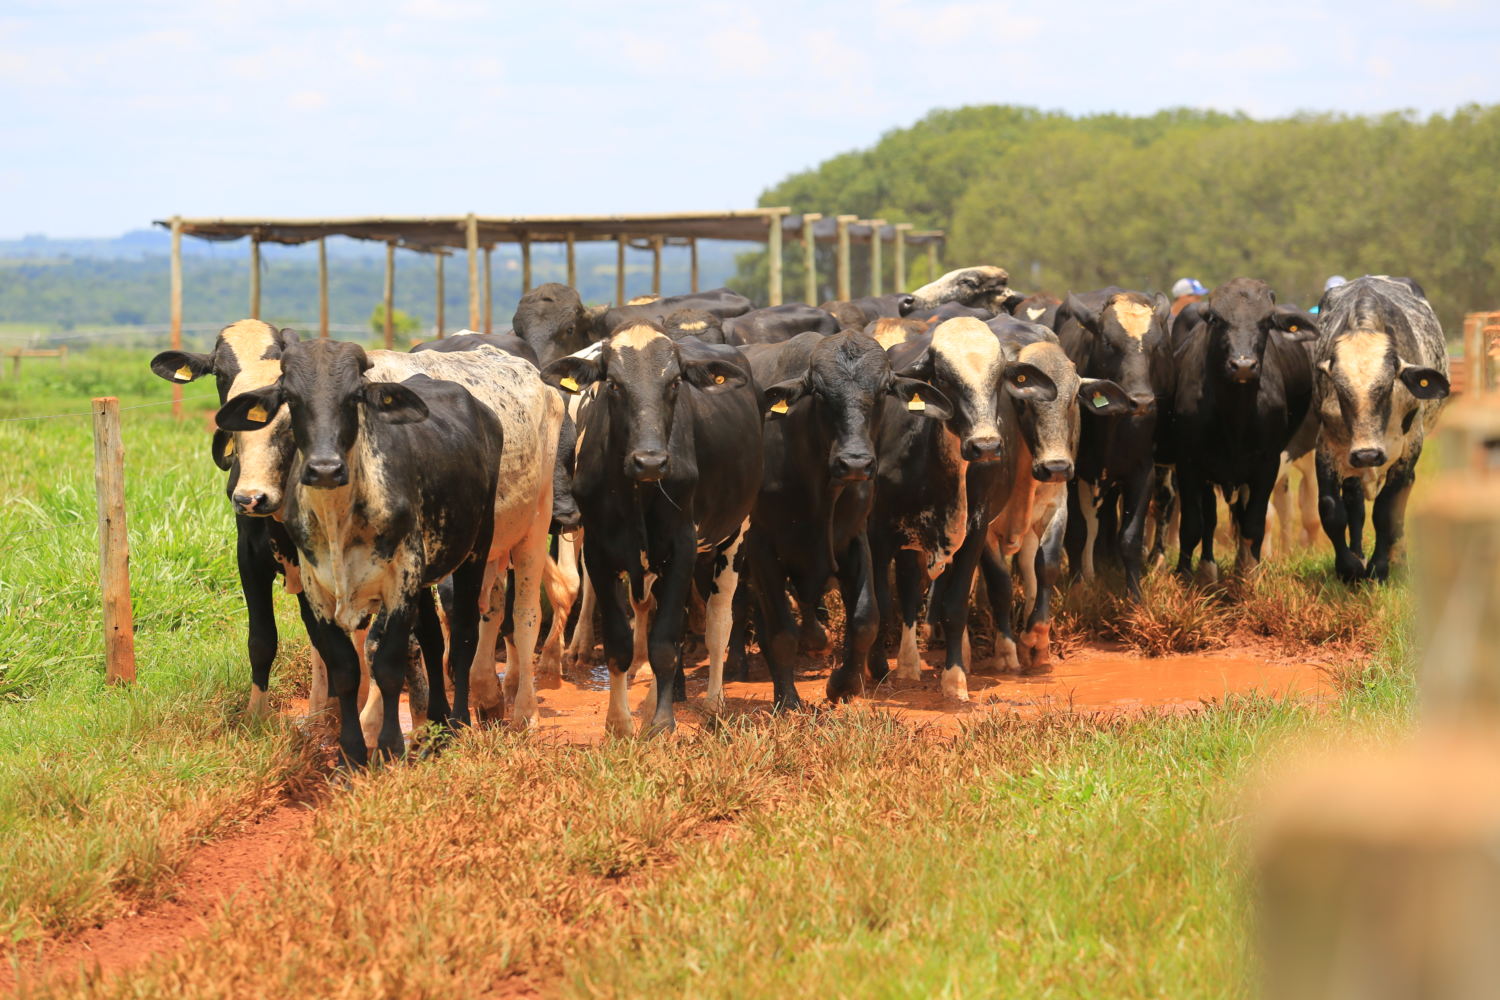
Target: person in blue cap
column 1331, row 283
column 1186, row 291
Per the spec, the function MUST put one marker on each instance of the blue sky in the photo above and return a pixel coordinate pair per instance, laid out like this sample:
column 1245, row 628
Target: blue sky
column 115, row 114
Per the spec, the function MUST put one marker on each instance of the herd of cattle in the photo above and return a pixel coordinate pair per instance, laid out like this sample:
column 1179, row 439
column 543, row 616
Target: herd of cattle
column 693, row 454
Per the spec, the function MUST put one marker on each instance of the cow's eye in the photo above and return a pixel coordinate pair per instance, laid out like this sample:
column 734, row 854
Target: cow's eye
column 613, row 385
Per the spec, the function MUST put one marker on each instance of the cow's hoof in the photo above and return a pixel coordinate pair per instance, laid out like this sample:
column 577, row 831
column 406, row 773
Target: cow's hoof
column 844, row 689
column 814, row 637
column 713, row 704
column 260, row 703
column 1350, row 568
column 908, row 660
column 1006, row 660
column 1036, row 650
column 619, row 725
column 1208, row 572
column 490, row 713
column 1379, row 572
column 955, row 684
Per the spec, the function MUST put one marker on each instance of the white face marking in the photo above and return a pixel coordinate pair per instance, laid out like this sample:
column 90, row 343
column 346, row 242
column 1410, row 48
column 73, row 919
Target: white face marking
column 694, row 326
column 1135, row 317
column 1360, row 357
column 969, row 347
column 248, row 339
column 1035, row 313
column 636, row 337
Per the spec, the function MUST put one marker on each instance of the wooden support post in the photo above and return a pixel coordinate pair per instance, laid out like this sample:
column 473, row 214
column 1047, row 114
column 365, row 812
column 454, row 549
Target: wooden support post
column 255, row 277
column 114, row 543
column 932, row 261
column 440, row 297
column 525, row 263
column 176, row 294
column 843, row 221
column 692, row 263
column 472, row 241
column 489, row 302
column 620, row 270
column 572, row 264
column 773, row 258
column 877, row 279
column 810, row 257
column 900, row 262
column 656, row 242
column 322, row 289
column 390, row 296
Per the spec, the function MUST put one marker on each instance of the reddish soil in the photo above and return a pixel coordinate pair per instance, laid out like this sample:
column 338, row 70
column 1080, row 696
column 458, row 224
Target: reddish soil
column 213, row 873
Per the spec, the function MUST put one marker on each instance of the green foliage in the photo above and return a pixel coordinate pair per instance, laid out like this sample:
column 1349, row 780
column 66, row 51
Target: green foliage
column 404, row 324
column 1079, row 203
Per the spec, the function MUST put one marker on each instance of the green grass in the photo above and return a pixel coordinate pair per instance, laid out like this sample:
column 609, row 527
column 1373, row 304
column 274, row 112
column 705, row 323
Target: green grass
column 103, row 791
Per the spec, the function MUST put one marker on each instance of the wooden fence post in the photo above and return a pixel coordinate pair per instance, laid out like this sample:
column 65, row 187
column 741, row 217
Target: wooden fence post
column 876, row 264
column 471, row 240
column 656, row 243
column 255, row 277
column 693, row 264
column 390, row 296
column 773, row 258
column 440, row 295
column 900, row 259
column 810, row 253
column 843, row 256
column 525, row 263
column 114, row 544
column 572, row 264
column 177, row 307
column 322, row 289
column 620, row 270
column 489, row 302
column 932, row 261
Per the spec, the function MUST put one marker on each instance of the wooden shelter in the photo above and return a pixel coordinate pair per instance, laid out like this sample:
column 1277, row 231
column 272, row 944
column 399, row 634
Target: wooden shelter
column 478, row 235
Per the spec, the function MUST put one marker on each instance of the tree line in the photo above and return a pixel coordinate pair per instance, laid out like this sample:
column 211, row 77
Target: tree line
column 1078, row 203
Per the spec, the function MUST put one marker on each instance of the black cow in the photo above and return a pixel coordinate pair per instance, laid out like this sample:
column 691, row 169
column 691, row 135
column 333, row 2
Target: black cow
column 669, row 460
column 554, row 321
column 721, row 302
column 777, row 324
column 697, row 323
column 1040, row 309
column 394, row 488
column 942, row 481
column 1382, row 376
column 1121, row 336
column 1243, row 384
column 855, row 313
column 950, row 310
column 823, row 400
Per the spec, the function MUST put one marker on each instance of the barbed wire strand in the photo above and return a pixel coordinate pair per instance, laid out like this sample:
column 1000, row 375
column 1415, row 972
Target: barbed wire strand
column 90, row 413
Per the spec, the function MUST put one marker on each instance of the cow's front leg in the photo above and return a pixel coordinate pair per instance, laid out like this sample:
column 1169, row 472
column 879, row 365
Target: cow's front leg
column 673, row 585
column 1335, row 517
column 909, row 579
column 1047, row 564
column 1252, row 526
column 1190, row 531
column 998, row 582
column 777, row 625
column 388, row 648
column 861, row 620
column 954, row 612
column 1135, row 503
column 257, row 583
column 429, row 630
column 719, row 616
column 1388, row 517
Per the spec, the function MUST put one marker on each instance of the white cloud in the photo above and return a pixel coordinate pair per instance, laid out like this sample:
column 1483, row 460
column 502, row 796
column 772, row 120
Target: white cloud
column 307, row 100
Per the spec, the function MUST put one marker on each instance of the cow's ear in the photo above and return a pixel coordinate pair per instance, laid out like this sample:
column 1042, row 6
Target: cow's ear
column 222, row 449
column 1026, row 381
column 395, row 403
column 181, row 366
column 1081, row 312
column 1424, row 383
column 1294, row 324
column 714, row 375
column 921, row 398
column 249, row 411
column 572, row 374
column 287, row 336
column 1103, row 398
column 1163, row 310
column 1326, row 366
column 912, row 357
column 781, row 397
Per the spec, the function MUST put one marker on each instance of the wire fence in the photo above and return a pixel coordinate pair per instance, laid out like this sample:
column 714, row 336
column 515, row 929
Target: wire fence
column 88, row 413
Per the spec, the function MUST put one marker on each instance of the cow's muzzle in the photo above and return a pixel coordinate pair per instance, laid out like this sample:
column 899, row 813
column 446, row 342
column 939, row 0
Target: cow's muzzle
column 1242, row 369
column 1055, row 471
column 981, row 448
column 1142, row 405
column 1367, row 458
column 325, row 473
column 254, row 503
column 852, row 467
column 648, row 466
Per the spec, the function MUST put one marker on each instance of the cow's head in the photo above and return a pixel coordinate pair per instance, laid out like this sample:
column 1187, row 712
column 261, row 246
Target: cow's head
column 888, row 331
column 643, row 372
column 694, row 323
column 1376, row 389
column 1047, row 393
column 1125, row 332
column 552, row 319
column 246, row 356
column 326, row 396
column 985, row 287
column 963, row 360
column 847, row 376
column 1240, row 316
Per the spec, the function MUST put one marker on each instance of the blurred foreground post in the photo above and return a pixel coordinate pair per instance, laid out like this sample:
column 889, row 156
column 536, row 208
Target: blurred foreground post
column 1379, row 872
column 114, row 545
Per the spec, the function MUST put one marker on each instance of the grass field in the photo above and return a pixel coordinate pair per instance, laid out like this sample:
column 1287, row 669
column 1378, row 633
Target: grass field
column 836, row 853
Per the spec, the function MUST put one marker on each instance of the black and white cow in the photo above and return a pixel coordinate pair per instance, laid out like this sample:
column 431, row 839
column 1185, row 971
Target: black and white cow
column 668, row 464
column 941, row 482
column 397, row 485
column 1122, row 336
column 824, row 401
column 721, row 302
column 1243, row 384
column 778, row 323
column 1382, row 376
column 697, row 323
column 1046, row 392
column 984, row 287
column 247, row 355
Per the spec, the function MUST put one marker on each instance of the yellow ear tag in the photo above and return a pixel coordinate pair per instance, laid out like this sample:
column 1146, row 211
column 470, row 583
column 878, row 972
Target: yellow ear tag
column 387, row 400
column 1423, row 383
column 718, row 380
column 1292, row 328
column 229, row 447
column 257, row 412
column 183, row 374
column 779, row 406
column 1099, row 401
column 570, row 383
column 1020, row 379
column 915, row 404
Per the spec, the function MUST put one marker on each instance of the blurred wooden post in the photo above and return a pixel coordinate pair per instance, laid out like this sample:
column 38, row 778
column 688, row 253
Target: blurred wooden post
column 176, row 294
column 322, row 289
column 572, row 264
column 255, row 277
column 525, row 263
column 810, row 256
column 620, row 270
column 440, row 295
column 843, row 256
column 489, row 303
column 390, row 296
column 877, row 280
column 114, row 543
column 656, row 265
column 932, row 261
column 471, row 230
column 773, row 257
column 692, row 263
column 902, row 228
